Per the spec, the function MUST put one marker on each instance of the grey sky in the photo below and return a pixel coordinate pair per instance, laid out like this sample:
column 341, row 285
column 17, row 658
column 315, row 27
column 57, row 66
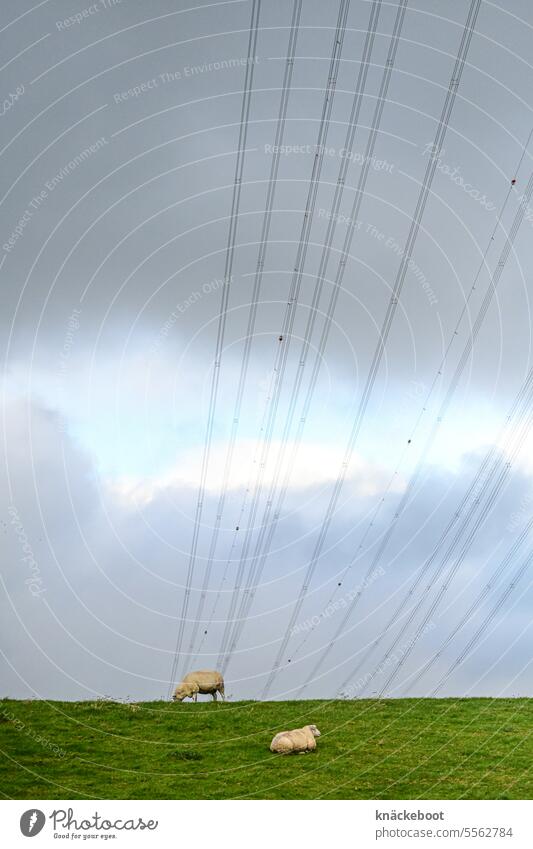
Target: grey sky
column 120, row 136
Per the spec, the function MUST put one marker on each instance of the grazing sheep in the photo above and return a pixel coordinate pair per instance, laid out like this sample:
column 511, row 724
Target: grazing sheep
column 300, row 740
column 203, row 681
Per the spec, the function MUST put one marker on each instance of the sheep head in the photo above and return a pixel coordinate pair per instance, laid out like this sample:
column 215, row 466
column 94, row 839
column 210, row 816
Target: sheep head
column 314, row 730
column 184, row 691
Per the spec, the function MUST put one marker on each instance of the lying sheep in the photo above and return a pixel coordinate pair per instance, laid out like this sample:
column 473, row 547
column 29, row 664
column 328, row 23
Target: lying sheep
column 203, row 681
column 300, row 740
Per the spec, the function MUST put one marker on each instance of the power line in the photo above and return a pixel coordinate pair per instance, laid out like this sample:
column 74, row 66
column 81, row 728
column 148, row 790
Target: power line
column 219, row 346
column 240, row 518
column 469, row 502
column 385, row 329
column 495, row 278
column 267, row 527
column 475, row 605
column 258, row 279
column 519, row 574
column 406, row 497
column 293, row 297
column 503, row 471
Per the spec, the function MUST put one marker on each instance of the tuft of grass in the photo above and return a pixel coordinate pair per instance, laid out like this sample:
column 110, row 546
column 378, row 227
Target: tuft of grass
column 369, row 749
column 186, row 755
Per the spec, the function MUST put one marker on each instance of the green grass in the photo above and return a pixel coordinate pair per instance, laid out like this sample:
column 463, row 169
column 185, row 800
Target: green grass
column 389, row 749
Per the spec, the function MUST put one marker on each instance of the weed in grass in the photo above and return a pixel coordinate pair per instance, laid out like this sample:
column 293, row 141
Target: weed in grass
column 186, row 755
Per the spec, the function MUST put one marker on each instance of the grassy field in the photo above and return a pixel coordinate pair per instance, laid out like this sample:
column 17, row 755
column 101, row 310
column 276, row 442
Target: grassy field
column 395, row 749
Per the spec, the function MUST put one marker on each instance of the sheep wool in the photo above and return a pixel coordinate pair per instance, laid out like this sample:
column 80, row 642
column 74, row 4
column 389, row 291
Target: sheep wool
column 299, row 740
column 203, row 681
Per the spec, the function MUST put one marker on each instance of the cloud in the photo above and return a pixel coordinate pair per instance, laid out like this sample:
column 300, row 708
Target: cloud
column 110, row 323
column 113, row 569
column 315, row 465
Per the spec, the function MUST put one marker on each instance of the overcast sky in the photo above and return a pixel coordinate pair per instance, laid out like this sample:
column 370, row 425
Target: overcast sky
column 120, row 136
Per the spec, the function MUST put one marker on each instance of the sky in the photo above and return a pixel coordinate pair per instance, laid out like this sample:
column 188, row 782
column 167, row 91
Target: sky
column 122, row 126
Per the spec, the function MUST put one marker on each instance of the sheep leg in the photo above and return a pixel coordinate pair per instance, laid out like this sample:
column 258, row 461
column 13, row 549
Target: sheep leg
column 195, row 697
column 214, row 694
column 221, row 691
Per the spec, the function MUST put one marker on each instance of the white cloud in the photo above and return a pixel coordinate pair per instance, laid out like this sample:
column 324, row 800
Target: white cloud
column 315, row 464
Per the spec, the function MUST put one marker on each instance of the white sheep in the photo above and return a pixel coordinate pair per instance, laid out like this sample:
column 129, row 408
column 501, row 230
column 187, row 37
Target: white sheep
column 299, row 740
column 203, row 681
